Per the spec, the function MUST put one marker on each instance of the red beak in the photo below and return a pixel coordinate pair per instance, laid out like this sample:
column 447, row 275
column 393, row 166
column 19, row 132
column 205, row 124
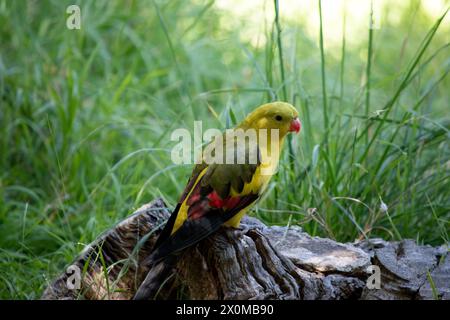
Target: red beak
column 295, row 125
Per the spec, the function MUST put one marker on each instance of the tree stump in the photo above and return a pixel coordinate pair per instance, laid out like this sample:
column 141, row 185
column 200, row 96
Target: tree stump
column 254, row 262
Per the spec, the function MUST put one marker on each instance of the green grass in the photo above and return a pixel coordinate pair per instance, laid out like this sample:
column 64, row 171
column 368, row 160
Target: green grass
column 86, row 118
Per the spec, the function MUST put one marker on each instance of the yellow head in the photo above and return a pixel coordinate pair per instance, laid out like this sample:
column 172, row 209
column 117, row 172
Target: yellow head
column 275, row 115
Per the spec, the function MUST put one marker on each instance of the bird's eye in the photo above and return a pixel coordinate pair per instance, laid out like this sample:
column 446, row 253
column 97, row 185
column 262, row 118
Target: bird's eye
column 278, row 118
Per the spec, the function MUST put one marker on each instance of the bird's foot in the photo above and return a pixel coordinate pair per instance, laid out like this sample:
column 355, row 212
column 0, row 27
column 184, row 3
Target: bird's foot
column 243, row 229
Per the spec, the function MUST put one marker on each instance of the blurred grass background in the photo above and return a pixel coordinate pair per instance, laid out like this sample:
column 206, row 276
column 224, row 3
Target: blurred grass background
column 86, row 116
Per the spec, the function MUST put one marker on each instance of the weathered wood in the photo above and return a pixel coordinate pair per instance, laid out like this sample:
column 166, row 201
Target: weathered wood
column 123, row 248
column 254, row 262
column 404, row 267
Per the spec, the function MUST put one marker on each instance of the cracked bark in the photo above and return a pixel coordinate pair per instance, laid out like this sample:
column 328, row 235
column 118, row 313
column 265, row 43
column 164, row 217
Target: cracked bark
column 257, row 262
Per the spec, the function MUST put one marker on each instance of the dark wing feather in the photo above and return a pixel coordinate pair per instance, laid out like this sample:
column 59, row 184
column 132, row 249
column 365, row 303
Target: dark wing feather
column 170, row 223
column 192, row 231
column 167, row 228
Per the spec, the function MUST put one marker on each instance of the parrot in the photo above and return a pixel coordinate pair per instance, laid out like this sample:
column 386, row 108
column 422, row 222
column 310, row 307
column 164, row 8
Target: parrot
column 220, row 193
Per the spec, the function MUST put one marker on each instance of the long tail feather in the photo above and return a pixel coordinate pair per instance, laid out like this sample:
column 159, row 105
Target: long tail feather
column 157, row 276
